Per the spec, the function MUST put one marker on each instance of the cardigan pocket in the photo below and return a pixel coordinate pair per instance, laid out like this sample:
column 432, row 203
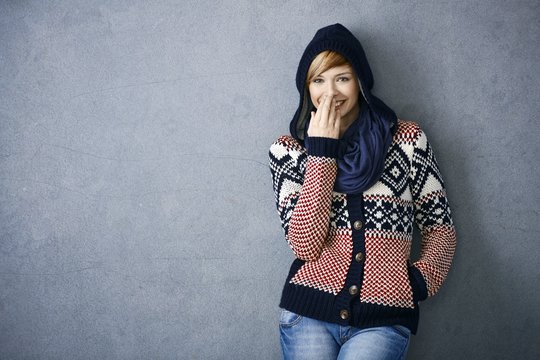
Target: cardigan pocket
column 418, row 284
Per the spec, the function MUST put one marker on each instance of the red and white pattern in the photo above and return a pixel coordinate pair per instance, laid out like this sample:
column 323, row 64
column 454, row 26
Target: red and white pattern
column 407, row 133
column 438, row 245
column 386, row 280
column 328, row 272
column 308, row 226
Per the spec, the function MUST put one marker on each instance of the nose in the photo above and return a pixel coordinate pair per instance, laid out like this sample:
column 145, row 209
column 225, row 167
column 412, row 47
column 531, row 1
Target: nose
column 331, row 89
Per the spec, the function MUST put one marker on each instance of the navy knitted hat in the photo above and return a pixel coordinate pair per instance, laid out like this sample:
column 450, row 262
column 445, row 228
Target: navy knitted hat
column 337, row 38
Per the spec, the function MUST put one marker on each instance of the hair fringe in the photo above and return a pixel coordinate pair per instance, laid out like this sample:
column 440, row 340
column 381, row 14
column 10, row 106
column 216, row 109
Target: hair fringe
column 324, row 61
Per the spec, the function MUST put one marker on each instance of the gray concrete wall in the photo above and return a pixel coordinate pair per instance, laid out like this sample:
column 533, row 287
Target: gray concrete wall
column 136, row 211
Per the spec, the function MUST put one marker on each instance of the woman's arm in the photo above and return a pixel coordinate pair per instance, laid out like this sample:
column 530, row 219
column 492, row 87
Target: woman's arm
column 433, row 217
column 304, row 197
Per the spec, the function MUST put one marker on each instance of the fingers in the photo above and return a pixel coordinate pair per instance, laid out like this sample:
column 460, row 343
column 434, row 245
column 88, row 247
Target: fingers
column 326, row 120
column 325, row 115
column 337, row 122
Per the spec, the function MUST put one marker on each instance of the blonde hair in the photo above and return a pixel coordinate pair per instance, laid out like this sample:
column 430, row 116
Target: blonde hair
column 324, row 61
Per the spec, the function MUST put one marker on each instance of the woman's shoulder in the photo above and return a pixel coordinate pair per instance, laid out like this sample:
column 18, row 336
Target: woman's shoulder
column 407, row 132
column 286, row 143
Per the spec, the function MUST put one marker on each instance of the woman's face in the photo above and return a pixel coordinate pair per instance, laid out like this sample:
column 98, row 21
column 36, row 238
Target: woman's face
column 341, row 82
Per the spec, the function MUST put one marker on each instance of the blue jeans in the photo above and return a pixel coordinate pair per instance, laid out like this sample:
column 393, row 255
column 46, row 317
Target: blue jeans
column 306, row 338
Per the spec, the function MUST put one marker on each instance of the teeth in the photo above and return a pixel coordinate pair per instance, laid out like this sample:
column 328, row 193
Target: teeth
column 339, row 102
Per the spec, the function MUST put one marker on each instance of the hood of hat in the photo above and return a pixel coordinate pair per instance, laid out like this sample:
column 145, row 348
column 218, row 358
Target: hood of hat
column 337, row 38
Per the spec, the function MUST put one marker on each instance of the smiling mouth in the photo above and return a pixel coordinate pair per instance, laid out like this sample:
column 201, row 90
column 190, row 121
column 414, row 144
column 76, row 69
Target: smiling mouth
column 338, row 103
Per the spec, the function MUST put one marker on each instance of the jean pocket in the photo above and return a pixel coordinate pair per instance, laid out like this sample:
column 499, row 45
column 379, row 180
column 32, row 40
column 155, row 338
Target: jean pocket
column 288, row 318
column 402, row 330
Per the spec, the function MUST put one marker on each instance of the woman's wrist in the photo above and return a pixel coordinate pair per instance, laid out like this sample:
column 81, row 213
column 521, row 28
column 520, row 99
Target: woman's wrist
column 322, row 146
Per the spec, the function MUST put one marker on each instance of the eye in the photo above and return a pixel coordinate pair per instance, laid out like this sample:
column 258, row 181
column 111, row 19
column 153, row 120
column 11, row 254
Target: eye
column 343, row 78
column 317, row 81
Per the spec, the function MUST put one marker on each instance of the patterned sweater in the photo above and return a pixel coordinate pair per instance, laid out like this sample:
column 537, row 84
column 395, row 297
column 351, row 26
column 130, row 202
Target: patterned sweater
column 352, row 263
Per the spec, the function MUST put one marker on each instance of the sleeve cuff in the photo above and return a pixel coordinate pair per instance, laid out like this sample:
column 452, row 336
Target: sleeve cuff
column 322, row 146
column 418, row 284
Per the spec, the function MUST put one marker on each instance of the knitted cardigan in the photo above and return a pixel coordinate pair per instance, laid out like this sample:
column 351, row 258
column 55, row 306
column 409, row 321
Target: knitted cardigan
column 352, row 263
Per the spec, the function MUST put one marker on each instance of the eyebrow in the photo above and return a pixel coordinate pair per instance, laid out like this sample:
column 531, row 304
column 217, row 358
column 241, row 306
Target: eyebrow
column 343, row 73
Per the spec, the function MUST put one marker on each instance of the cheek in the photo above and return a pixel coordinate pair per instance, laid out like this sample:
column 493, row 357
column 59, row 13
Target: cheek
column 314, row 98
column 315, row 102
column 353, row 93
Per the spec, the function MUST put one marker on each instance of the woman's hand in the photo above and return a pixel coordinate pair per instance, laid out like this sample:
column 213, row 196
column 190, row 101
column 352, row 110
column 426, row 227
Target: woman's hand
column 325, row 122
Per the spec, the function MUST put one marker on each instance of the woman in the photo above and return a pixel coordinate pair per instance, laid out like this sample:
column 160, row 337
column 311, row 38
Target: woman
column 349, row 183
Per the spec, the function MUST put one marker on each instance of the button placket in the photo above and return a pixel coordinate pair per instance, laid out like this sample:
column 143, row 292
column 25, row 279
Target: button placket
column 345, row 303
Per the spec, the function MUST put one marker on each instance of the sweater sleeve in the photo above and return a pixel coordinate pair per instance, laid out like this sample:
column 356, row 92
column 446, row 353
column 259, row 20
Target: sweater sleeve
column 303, row 185
column 433, row 217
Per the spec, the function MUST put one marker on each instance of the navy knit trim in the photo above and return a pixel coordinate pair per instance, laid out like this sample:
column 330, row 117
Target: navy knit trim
column 355, row 274
column 418, row 284
column 322, row 146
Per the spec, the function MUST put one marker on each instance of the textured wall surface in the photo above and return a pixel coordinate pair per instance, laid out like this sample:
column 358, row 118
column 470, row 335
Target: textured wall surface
column 137, row 218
